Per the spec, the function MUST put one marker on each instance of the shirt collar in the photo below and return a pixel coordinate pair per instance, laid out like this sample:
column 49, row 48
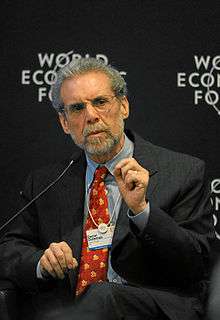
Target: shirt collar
column 126, row 152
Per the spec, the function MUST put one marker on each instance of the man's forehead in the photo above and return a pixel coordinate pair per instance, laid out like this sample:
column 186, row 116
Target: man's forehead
column 90, row 83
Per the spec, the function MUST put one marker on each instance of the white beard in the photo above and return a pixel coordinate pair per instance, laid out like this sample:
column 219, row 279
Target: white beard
column 100, row 145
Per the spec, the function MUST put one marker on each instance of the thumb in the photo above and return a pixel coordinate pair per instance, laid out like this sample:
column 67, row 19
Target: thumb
column 119, row 179
column 117, row 174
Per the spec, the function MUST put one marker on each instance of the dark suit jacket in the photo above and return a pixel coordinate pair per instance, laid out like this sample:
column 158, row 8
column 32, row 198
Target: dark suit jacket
column 169, row 259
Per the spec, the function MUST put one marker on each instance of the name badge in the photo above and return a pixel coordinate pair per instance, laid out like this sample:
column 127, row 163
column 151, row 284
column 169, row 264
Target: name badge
column 99, row 240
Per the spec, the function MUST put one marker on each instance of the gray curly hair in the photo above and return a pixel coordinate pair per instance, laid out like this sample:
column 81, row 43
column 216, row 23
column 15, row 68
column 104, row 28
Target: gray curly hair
column 82, row 66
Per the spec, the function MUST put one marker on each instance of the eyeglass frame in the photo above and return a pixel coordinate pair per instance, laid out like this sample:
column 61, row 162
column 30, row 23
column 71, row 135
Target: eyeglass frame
column 84, row 103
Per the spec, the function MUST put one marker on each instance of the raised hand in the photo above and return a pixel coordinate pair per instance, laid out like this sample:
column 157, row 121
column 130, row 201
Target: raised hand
column 132, row 180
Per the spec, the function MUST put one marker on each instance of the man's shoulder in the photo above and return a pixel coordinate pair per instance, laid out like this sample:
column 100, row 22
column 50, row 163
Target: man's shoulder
column 57, row 170
column 51, row 168
column 178, row 165
column 164, row 158
column 166, row 155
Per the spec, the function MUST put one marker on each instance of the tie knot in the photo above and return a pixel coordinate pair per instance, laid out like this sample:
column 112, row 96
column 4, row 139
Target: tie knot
column 101, row 173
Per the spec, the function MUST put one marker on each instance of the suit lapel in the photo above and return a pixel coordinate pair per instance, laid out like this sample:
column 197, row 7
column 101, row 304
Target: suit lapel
column 146, row 158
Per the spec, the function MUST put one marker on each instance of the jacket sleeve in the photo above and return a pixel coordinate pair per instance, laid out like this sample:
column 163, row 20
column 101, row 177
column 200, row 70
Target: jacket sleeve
column 173, row 249
column 19, row 247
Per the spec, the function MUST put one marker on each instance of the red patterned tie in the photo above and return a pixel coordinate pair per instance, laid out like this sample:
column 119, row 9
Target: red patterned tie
column 93, row 264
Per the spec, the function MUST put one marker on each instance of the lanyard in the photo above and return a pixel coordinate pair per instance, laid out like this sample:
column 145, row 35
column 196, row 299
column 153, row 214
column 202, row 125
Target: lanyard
column 102, row 227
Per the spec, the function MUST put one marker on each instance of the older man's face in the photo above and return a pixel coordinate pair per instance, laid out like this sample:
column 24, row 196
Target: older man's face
column 93, row 116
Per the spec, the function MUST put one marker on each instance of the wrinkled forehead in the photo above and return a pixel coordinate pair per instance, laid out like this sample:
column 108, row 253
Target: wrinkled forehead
column 86, row 86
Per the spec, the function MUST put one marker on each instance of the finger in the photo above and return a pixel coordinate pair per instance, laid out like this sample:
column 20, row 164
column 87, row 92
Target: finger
column 123, row 162
column 122, row 174
column 121, row 171
column 137, row 178
column 46, row 267
column 117, row 174
column 59, row 254
column 131, row 179
column 125, row 166
column 129, row 167
column 75, row 263
column 54, row 263
column 71, row 262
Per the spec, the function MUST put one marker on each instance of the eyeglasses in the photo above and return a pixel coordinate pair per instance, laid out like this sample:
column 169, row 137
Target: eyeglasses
column 100, row 103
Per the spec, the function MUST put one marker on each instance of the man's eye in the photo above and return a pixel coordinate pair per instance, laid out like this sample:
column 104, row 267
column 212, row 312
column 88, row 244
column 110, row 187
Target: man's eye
column 99, row 102
column 76, row 107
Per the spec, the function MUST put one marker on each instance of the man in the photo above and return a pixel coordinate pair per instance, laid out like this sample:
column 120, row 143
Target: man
column 125, row 231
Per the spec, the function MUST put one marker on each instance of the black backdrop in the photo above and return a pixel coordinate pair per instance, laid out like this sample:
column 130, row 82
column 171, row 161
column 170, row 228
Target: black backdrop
column 167, row 50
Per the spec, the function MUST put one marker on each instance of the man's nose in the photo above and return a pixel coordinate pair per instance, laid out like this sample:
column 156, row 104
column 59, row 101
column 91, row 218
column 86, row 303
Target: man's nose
column 91, row 113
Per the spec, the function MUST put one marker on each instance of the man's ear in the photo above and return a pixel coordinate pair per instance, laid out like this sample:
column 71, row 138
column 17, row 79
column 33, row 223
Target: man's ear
column 64, row 122
column 124, row 107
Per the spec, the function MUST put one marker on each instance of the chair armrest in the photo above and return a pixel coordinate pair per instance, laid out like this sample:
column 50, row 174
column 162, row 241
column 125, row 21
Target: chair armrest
column 8, row 301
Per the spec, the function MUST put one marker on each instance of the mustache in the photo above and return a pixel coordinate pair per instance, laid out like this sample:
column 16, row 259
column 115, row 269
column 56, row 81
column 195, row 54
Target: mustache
column 94, row 128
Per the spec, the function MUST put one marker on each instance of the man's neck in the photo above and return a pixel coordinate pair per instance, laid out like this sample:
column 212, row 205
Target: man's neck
column 108, row 156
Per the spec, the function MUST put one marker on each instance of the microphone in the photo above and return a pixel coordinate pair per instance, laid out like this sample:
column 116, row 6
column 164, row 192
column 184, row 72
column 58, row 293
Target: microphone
column 36, row 197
